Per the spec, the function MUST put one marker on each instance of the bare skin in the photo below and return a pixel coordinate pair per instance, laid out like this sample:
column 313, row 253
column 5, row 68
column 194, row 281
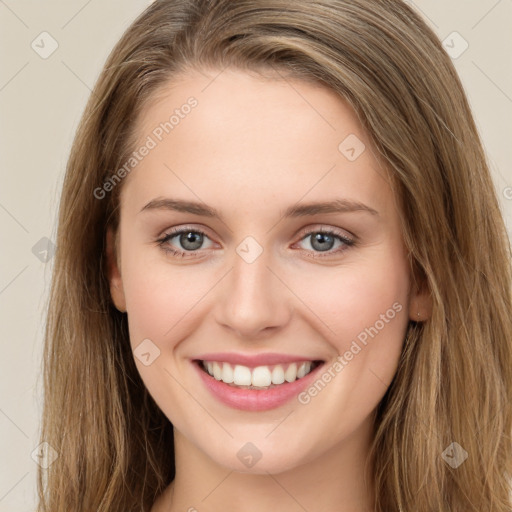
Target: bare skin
column 251, row 148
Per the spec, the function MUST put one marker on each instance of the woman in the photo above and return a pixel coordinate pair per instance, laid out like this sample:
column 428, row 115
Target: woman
column 282, row 276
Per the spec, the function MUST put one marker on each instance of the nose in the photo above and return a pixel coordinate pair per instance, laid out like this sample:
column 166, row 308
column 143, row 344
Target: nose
column 253, row 301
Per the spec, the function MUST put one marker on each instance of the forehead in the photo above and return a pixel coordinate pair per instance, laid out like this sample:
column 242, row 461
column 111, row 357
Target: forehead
column 255, row 135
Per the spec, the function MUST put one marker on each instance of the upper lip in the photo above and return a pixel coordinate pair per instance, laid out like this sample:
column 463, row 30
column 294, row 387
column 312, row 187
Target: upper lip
column 265, row 359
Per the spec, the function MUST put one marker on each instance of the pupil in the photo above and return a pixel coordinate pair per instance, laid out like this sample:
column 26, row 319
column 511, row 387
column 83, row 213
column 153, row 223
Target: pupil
column 323, row 239
column 195, row 239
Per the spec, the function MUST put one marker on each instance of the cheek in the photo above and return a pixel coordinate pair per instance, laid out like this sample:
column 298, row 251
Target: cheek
column 162, row 298
column 164, row 304
column 370, row 300
column 362, row 313
column 350, row 298
column 361, row 310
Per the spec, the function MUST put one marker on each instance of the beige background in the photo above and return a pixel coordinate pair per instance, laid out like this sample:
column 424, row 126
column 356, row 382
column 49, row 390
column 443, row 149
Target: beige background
column 41, row 100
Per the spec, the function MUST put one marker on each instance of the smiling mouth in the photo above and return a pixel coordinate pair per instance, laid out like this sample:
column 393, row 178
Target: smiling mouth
column 260, row 377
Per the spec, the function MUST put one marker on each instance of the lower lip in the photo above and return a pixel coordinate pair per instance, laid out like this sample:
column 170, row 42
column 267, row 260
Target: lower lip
column 255, row 399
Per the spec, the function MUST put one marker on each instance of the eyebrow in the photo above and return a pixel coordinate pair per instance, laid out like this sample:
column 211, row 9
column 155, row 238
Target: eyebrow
column 297, row 210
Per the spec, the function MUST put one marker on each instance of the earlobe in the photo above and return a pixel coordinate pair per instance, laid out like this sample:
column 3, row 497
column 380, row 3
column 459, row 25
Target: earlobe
column 114, row 273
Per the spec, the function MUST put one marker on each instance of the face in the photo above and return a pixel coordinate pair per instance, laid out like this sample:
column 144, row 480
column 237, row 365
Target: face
column 225, row 255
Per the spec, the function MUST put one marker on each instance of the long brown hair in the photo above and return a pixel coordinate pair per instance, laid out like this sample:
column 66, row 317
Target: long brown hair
column 454, row 379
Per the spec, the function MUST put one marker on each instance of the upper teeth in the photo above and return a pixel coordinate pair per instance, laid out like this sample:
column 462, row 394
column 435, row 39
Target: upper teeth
column 261, row 376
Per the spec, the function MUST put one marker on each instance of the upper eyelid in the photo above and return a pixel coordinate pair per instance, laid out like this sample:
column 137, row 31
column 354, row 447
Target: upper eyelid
column 172, row 232
column 323, row 228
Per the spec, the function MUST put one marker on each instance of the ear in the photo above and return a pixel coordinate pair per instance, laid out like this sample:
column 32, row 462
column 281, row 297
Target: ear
column 114, row 274
column 420, row 301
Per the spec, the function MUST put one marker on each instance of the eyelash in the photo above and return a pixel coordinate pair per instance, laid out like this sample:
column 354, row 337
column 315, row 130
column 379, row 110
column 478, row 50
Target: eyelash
column 162, row 242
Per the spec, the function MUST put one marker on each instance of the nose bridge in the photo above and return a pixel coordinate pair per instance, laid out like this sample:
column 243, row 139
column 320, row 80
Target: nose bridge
column 254, row 299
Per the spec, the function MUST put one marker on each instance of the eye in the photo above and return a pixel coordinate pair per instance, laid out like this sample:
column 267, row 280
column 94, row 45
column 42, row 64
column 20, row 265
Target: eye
column 324, row 240
column 191, row 240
